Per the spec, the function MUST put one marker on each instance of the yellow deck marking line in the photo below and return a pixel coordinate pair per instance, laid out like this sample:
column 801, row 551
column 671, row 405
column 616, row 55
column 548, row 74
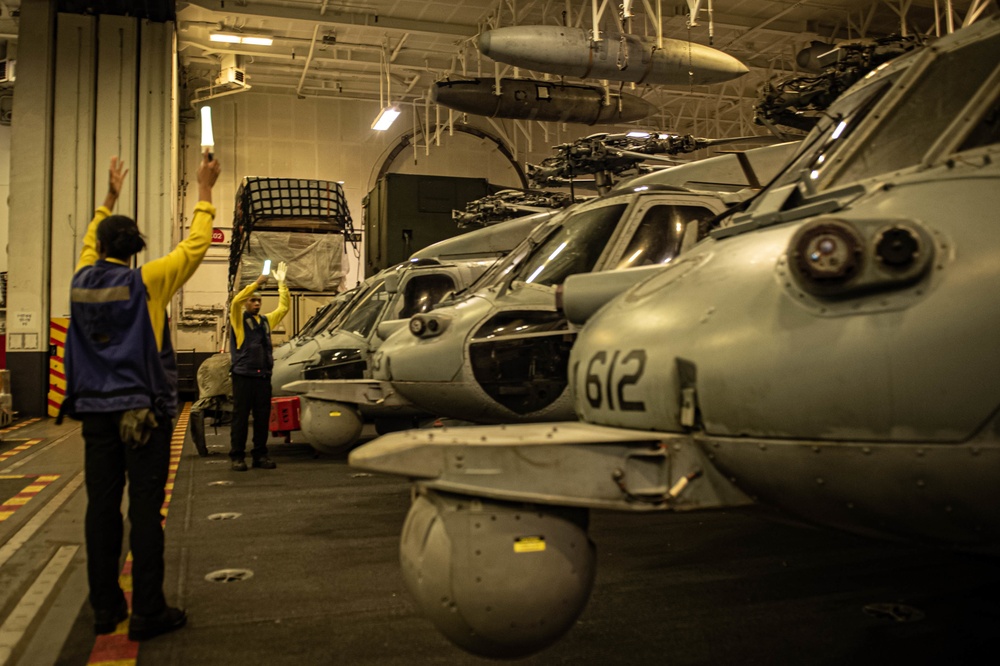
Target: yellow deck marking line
column 39, row 451
column 19, row 449
column 22, row 535
column 20, row 619
column 115, row 649
column 8, row 507
column 20, row 424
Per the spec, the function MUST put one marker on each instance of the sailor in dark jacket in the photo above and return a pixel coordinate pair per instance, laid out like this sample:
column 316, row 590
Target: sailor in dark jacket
column 253, row 360
column 121, row 379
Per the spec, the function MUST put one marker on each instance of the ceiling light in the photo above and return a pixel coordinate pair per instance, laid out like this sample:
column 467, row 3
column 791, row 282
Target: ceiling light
column 258, row 41
column 385, row 118
column 230, row 38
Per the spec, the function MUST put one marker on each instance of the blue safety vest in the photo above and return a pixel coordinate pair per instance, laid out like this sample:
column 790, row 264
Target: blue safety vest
column 255, row 358
column 112, row 363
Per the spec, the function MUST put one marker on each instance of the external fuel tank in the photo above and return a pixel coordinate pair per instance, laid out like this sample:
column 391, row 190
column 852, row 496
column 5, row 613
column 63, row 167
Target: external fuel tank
column 571, row 52
column 527, row 99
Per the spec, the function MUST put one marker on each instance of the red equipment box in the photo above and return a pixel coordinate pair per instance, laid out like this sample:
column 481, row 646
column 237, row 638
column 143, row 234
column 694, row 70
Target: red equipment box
column 284, row 414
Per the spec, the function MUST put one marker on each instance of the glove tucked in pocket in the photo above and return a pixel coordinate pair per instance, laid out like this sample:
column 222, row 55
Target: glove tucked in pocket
column 135, row 427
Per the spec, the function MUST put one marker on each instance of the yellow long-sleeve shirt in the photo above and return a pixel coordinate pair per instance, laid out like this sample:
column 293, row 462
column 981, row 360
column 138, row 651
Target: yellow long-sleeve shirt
column 165, row 275
column 273, row 318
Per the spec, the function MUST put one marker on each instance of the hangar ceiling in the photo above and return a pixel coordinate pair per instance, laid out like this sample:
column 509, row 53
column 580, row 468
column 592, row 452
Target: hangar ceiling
column 394, row 50
column 372, row 49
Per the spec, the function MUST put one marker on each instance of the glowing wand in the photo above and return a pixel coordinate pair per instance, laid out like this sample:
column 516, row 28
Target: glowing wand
column 207, row 139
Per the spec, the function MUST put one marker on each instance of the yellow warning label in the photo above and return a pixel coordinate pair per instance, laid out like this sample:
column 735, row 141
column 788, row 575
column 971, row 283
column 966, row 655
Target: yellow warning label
column 532, row 544
column 334, row 413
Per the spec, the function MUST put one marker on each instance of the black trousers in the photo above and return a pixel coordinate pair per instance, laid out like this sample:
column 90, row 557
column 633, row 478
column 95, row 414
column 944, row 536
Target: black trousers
column 107, row 463
column 250, row 395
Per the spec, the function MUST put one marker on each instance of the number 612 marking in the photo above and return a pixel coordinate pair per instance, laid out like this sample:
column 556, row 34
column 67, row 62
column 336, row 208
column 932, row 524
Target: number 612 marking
column 599, row 386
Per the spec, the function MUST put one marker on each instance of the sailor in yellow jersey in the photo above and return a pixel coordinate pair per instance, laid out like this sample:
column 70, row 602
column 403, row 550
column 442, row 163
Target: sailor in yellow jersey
column 122, row 384
column 253, row 360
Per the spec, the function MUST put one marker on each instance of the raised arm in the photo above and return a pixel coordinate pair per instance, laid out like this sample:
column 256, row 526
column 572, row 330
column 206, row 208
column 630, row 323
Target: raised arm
column 116, row 178
column 284, row 300
column 236, row 308
column 164, row 276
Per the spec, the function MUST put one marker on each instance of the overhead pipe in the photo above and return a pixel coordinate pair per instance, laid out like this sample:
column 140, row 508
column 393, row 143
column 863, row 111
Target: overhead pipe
column 283, row 56
column 199, row 100
column 305, row 68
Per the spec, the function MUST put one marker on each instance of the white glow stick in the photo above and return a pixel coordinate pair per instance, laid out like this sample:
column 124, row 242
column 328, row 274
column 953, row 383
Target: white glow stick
column 207, row 139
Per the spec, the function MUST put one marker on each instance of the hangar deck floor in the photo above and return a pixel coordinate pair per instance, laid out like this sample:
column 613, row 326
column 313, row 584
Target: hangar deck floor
column 723, row 587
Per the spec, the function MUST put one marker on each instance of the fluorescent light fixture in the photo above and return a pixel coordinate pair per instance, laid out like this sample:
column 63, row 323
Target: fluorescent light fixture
column 231, row 38
column 385, row 118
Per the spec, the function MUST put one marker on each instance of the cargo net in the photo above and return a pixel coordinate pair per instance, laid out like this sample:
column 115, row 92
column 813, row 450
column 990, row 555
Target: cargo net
column 298, row 221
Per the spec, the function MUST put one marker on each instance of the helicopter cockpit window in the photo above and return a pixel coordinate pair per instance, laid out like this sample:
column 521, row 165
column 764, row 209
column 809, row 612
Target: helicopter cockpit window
column 364, row 313
column 842, row 118
column 319, row 317
column 342, row 309
column 504, row 266
column 987, row 130
column 324, row 317
column 422, row 292
column 933, row 103
column 334, row 317
column 657, row 240
column 321, row 320
column 574, row 248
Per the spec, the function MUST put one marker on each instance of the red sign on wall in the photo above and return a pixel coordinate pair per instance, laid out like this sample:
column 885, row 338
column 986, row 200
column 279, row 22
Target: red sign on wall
column 218, row 236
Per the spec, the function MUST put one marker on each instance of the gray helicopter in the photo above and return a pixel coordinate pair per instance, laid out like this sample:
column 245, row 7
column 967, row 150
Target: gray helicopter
column 497, row 353
column 831, row 352
column 339, row 340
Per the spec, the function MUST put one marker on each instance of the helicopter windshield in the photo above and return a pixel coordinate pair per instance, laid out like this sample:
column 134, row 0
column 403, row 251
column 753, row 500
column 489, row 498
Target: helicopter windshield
column 987, row 130
column 830, row 134
column 422, row 292
column 503, row 266
column 309, row 328
column 365, row 310
column 573, row 248
column 319, row 319
column 930, row 107
column 323, row 317
column 904, row 134
column 660, row 234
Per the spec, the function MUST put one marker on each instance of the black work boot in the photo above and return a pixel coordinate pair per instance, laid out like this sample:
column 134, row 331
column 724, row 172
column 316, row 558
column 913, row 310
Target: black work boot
column 239, row 466
column 144, row 627
column 264, row 463
column 107, row 620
